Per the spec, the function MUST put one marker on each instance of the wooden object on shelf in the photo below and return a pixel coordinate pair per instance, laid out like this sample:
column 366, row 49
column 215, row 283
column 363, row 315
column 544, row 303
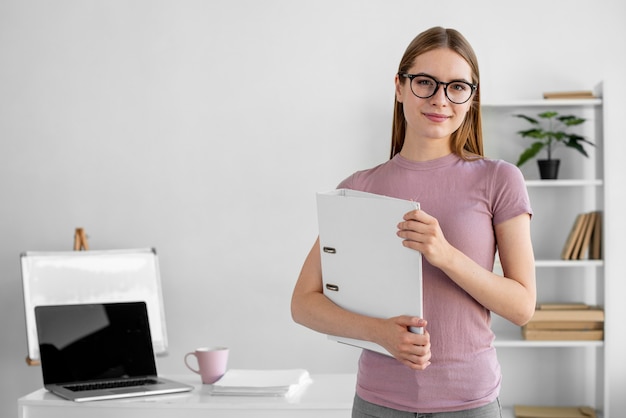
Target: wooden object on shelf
column 573, row 237
column 582, row 94
column 527, row 411
column 565, row 322
column 585, row 237
column 80, row 240
column 562, row 334
column 581, row 313
column 595, row 252
column 565, row 325
column 561, row 306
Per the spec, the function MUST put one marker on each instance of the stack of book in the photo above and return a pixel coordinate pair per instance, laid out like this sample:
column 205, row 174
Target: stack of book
column 585, row 94
column 524, row 411
column 585, row 238
column 565, row 322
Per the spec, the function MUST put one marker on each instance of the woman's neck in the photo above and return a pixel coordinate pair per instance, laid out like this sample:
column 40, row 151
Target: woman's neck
column 425, row 150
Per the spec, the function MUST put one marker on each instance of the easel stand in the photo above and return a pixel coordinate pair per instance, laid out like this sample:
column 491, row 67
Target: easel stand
column 80, row 240
column 32, row 362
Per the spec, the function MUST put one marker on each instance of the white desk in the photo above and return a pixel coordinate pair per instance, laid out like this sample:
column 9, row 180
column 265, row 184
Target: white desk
column 330, row 395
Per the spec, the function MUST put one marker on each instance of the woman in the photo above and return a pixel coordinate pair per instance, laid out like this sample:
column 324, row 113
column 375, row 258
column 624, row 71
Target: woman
column 471, row 206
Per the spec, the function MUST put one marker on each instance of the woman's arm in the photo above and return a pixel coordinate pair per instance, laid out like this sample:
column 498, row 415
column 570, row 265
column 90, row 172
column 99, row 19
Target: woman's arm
column 311, row 308
column 512, row 296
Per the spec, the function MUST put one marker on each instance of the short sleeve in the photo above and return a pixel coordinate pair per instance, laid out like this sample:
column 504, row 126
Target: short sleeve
column 510, row 195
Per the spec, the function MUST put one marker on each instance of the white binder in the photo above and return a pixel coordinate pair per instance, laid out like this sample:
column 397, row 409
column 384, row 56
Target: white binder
column 365, row 267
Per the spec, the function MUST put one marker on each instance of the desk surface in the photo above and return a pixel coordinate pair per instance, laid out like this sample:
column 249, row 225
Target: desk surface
column 329, row 395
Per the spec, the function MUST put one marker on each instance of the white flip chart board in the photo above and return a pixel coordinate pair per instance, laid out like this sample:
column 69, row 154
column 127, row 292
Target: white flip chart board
column 71, row 277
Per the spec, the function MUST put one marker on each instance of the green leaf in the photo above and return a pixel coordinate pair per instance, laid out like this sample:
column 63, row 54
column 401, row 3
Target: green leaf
column 533, row 133
column 578, row 138
column 570, row 120
column 530, row 152
column 528, row 118
column 548, row 115
column 576, row 145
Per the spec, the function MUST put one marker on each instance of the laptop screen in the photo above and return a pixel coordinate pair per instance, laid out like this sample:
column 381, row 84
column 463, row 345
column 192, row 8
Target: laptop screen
column 94, row 341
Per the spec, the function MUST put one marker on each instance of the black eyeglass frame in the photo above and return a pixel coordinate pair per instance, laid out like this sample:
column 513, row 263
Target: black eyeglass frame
column 439, row 83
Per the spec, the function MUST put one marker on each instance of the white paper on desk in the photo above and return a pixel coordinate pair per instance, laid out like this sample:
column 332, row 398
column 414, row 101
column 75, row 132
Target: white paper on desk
column 245, row 382
column 365, row 267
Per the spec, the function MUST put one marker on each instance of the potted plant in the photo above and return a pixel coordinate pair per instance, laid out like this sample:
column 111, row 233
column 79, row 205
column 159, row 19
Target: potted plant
column 549, row 137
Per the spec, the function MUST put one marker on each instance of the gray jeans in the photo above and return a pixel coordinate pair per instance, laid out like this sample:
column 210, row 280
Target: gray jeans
column 364, row 409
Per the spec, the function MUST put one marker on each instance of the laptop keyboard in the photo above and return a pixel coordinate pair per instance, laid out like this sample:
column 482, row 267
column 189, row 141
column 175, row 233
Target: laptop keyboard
column 112, row 384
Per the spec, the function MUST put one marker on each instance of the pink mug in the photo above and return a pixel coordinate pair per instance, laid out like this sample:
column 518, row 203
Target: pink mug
column 211, row 363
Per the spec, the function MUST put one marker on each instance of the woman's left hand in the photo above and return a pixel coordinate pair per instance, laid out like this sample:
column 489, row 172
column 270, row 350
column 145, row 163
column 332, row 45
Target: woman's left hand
column 422, row 233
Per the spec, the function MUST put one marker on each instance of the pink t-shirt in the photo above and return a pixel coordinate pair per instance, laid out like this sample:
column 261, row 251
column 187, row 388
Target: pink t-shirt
column 468, row 198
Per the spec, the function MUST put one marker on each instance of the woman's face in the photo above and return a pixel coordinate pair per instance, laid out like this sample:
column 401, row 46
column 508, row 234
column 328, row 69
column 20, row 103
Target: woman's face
column 434, row 118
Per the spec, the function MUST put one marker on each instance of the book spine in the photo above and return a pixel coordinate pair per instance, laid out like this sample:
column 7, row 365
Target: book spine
column 585, row 238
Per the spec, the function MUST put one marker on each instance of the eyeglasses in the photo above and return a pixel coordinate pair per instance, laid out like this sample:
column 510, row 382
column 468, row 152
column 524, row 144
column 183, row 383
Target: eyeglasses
column 425, row 86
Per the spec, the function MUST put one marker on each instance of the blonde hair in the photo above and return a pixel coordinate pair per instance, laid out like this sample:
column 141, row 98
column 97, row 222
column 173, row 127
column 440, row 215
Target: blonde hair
column 467, row 141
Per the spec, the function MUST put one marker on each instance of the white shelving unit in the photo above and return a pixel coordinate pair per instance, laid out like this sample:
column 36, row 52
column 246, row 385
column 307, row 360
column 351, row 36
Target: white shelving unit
column 554, row 373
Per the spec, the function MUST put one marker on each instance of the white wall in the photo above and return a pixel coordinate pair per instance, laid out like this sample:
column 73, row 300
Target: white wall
column 204, row 128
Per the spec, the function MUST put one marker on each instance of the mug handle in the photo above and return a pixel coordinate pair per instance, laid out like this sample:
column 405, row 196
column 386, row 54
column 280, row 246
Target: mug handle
column 187, row 364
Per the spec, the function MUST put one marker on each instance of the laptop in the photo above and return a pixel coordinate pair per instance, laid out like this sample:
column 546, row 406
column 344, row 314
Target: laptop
column 365, row 267
column 99, row 351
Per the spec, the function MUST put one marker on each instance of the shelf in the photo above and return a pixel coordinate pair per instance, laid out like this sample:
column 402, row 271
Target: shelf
column 562, row 263
column 564, row 183
column 579, row 366
column 569, row 263
column 546, row 103
column 512, row 338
